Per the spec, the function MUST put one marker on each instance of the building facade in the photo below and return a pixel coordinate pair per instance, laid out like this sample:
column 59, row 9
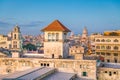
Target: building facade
column 13, row 41
column 55, row 40
column 108, row 47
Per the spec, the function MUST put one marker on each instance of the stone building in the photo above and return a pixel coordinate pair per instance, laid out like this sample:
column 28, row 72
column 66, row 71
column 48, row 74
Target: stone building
column 13, row 41
column 109, row 71
column 55, row 40
column 75, row 49
column 108, row 47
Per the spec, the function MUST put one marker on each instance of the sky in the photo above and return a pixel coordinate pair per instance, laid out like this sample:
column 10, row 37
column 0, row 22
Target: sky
column 32, row 15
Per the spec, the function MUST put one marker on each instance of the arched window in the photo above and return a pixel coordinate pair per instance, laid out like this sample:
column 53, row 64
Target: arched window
column 102, row 47
column 116, row 48
column 108, row 40
column 108, row 47
column 102, row 40
column 97, row 47
column 115, row 40
column 14, row 36
column 97, row 40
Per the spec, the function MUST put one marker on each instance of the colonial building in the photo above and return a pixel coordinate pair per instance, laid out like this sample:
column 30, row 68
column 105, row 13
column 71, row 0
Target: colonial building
column 108, row 47
column 12, row 41
column 76, row 49
column 55, row 43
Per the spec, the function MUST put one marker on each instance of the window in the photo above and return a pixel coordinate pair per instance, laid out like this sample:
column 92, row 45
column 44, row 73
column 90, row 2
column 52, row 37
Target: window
column 97, row 47
column 108, row 60
column 115, row 54
column 97, row 40
column 57, row 36
column 114, row 72
column 14, row 46
column 110, row 73
column 115, row 40
column 115, row 60
column 102, row 40
column 44, row 64
column 14, row 36
column 102, row 47
column 97, row 53
column 47, row 64
column 102, row 53
column 49, row 36
column 105, row 71
column 108, row 40
column 108, row 54
column 108, row 47
column 53, row 37
column 41, row 64
column 84, row 73
column 116, row 48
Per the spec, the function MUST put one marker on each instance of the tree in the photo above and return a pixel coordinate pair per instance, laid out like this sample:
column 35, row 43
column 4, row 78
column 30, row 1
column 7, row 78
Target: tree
column 30, row 47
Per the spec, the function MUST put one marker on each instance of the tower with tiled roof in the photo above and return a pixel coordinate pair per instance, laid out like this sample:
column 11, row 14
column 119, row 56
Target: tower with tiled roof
column 55, row 40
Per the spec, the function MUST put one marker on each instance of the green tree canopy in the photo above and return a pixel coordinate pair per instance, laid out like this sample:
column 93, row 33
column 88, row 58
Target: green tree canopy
column 30, row 47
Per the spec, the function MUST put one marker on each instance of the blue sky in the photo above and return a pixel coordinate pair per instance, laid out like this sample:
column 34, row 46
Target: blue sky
column 33, row 15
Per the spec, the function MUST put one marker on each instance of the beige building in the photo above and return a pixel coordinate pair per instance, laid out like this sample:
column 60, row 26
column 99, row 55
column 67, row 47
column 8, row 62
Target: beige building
column 75, row 49
column 109, row 71
column 55, row 40
column 108, row 47
column 12, row 41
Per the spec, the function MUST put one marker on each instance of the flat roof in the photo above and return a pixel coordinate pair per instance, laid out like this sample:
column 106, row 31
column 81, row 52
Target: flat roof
column 110, row 65
column 19, row 73
column 36, row 74
column 59, row 76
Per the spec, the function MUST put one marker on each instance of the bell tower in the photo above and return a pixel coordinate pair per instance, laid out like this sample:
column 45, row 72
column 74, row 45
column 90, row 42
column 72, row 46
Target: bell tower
column 55, row 40
column 16, row 39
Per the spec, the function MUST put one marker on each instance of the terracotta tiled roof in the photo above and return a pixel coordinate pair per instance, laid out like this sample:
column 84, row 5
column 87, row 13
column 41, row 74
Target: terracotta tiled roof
column 56, row 26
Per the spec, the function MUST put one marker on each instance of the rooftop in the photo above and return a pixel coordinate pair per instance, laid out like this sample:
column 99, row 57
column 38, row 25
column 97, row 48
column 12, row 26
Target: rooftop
column 110, row 65
column 59, row 76
column 56, row 26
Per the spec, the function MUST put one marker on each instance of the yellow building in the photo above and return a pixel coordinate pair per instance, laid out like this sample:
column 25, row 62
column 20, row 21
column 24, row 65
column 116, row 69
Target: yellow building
column 108, row 47
column 112, row 33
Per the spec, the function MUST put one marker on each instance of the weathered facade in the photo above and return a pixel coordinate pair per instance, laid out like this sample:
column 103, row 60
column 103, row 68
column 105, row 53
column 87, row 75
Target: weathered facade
column 83, row 68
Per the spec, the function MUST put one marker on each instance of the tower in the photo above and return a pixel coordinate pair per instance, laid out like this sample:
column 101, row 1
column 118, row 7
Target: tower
column 55, row 40
column 85, row 33
column 16, row 42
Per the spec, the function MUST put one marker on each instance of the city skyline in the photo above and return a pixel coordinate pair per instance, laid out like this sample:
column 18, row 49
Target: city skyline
column 31, row 16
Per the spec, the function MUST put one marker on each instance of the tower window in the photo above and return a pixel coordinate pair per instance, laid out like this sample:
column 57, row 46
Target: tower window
column 14, row 36
column 53, row 37
column 57, row 36
column 49, row 36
